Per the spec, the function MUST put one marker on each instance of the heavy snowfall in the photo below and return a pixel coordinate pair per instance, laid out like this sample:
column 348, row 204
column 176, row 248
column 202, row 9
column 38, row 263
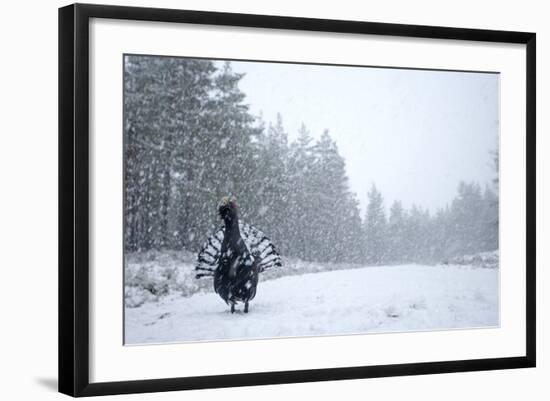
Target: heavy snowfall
column 190, row 139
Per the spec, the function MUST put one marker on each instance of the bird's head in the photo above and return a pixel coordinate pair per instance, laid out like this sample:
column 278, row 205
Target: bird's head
column 227, row 208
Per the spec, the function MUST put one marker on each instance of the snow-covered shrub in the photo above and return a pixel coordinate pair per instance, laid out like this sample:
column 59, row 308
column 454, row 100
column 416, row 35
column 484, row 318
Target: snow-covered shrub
column 488, row 260
column 153, row 274
column 136, row 296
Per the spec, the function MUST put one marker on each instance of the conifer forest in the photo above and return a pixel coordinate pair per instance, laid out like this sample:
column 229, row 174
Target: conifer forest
column 190, row 139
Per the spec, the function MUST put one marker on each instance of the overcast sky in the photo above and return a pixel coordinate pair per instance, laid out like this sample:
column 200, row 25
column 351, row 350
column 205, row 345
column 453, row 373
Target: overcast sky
column 414, row 133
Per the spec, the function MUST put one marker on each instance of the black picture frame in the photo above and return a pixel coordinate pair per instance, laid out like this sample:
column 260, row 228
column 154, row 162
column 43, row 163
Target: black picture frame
column 74, row 199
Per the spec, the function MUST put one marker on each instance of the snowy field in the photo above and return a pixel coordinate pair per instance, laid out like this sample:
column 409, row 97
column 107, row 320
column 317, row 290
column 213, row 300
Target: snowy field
column 342, row 301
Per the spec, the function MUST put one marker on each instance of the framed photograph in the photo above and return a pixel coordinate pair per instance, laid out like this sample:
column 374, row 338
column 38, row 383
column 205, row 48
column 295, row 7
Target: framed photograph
column 252, row 199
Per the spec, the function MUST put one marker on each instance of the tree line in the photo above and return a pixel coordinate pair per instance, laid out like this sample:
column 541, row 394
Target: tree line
column 467, row 226
column 189, row 139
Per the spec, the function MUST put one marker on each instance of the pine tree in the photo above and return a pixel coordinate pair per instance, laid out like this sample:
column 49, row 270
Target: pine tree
column 333, row 217
column 490, row 225
column 397, row 233
column 300, row 194
column 467, row 219
column 271, row 182
column 440, row 237
column 375, row 228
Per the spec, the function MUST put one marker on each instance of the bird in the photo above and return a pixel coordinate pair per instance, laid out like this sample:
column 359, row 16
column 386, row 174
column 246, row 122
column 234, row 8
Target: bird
column 234, row 256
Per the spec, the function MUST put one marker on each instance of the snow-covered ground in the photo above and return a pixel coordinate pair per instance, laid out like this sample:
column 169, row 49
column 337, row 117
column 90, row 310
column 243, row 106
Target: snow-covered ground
column 360, row 300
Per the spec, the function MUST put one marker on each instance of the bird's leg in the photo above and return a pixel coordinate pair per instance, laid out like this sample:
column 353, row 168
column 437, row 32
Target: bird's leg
column 232, row 308
column 246, row 307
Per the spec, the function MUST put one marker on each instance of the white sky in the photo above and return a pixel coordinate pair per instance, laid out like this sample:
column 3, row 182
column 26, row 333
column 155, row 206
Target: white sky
column 414, row 133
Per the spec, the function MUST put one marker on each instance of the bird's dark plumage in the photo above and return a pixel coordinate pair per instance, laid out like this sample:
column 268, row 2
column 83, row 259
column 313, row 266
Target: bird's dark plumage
column 235, row 255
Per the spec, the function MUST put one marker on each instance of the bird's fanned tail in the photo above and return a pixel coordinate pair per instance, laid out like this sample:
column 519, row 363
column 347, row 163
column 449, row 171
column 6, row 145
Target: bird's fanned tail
column 259, row 245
